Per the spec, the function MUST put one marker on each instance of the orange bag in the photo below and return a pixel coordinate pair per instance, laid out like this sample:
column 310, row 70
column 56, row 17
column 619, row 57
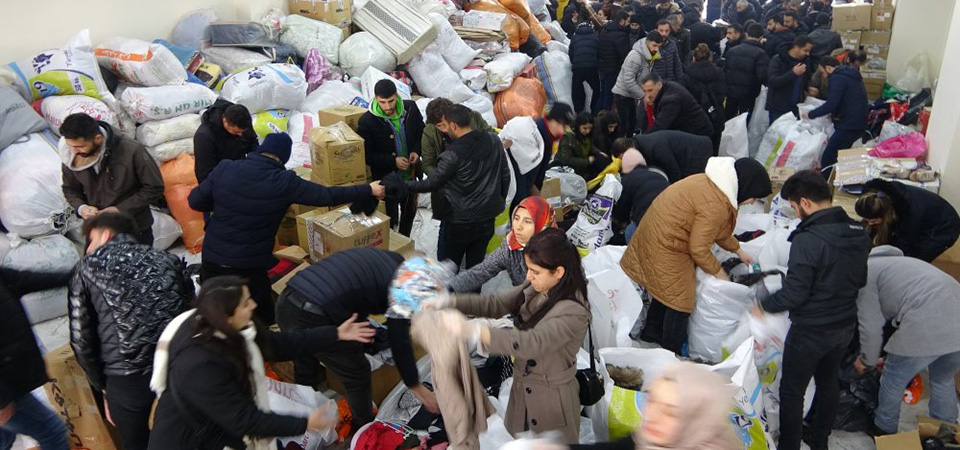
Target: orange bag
column 178, row 180
column 525, row 97
column 516, row 29
column 520, row 8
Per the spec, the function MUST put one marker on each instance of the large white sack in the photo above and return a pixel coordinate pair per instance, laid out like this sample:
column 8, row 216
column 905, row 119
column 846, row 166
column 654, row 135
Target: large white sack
column 615, row 304
column 362, row 50
column 17, row 116
column 556, row 33
column 502, row 70
column 422, row 106
column 372, row 75
column 300, row 124
column 618, row 412
column 4, row 245
column 232, row 59
column 44, row 305
column 719, row 306
column 31, row 197
column 557, row 46
column 141, row 62
column 157, row 132
column 68, row 70
column 171, row 149
column 794, row 143
column 55, row 109
column 475, row 78
column 435, row 79
column 144, row 104
column 734, row 141
column 759, row 122
column 268, row 86
column 301, row 401
column 332, row 93
column 527, row 142
column 556, row 74
column 166, row 230
column 455, row 52
column 593, row 228
column 747, row 418
column 46, row 254
column 304, row 33
column 482, row 105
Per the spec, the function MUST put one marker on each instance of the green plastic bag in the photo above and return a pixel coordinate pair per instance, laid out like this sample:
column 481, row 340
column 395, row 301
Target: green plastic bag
column 270, row 121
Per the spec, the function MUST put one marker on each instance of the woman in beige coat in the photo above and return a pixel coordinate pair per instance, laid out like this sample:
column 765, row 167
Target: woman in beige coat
column 552, row 319
column 677, row 234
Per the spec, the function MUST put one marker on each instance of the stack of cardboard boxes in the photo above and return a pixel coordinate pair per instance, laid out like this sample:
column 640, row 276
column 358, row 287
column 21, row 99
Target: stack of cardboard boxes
column 337, row 12
column 867, row 27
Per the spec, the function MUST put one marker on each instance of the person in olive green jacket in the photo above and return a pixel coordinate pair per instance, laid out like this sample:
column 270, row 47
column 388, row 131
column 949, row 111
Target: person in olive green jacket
column 577, row 151
column 435, row 139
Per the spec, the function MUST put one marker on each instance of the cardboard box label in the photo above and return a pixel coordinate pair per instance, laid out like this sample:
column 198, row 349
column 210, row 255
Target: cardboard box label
column 334, row 12
column 338, row 155
column 340, row 230
column 347, row 114
column 881, row 17
column 875, row 37
column 850, row 39
column 854, row 16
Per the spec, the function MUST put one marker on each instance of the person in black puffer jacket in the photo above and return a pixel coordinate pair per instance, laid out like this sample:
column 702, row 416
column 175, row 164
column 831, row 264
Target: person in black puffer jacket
column 474, row 175
column 584, row 59
column 787, row 78
column 121, row 297
column 706, row 83
column 745, row 72
column 248, row 199
column 641, row 185
column 21, row 365
column 226, row 132
column 674, row 108
column 704, row 33
column 614, row 47
column 676, row 153
column 847, row 103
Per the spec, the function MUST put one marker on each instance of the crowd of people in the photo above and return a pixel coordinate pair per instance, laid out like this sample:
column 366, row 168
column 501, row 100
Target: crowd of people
column 662, row 87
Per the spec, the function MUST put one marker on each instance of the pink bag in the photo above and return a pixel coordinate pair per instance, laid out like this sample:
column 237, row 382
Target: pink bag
column 910, row 145
column 317, row 70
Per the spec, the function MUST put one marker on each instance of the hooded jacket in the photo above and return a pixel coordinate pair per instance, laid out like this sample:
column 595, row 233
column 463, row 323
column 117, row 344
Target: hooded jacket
column 473, row 175
column 927, row 225
column 248, row 199
column 640, row 188
column 212, row 143
column 638, row 64
column 678, row 154
column 675, row 109
column 746, row 70
column 121, row 297
column 785, row 88
column 575, row 151
column 827, row 268
column 614, row 45
column 846, row 100
column 125, row 176
column 825, row 41
column 380, row 138
column 702, row 77
column 777, row 40
column 669, row 65
column 585, row 49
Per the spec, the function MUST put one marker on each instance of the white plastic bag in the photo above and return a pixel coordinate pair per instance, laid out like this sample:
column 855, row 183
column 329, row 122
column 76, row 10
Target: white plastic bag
column 527, row 146
column 793, row 143
column 46, row 254
column 171, row 149
column 557, row 46
column 482, row 105
column 593, row 227
column 55, row 109
column 573, row 188
column 893, row 129
column 166, row 230
column 31, row 197
column 304, row 33
column 614, row 301
column 140, row 62
column 456, row 53
column 155, row 133
column 300, row 125
column 370, row 78
column 915, row 76
column 556, row 32
column 734, row 141
column 190, row 30
column 556, row 73
column 747, row 417
column 502, row 70
column 474, row 78
column 435, row 79
column 618, row 412
column 362, row 50
column 68, row 70
column 719, row 306
column 144, row 104
column 269, row 86
column 297, row 400
column 232, row 59
column 759, row 122
column 333, row 93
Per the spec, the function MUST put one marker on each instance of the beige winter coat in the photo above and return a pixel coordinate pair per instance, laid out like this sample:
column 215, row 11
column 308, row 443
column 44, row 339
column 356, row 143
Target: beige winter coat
column 545, row 394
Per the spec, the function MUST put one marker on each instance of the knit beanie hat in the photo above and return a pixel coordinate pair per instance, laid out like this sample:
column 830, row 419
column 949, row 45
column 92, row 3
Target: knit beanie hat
column 752, row 180
column 636, row 19
column 278, row 144
column 631, row 159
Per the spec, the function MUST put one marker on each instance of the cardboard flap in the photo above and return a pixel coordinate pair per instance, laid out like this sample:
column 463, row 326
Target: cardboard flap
column 909, row 440
column 338, row 133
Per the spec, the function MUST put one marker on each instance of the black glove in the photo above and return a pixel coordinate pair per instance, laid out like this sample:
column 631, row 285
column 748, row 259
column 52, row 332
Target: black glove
column 366, row 205
column 396, row 188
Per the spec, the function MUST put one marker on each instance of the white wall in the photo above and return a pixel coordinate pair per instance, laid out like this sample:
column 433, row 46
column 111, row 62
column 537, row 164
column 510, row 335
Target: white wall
column 919, row 26
column 26, row 28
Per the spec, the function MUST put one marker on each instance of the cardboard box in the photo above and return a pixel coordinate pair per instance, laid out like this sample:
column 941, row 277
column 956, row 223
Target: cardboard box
column 400, row 243
column 778, row 176
column 850, row 39
column 303, row 239
column 853, row 16
column 875, row 37
column 287, row 233
column 337, row 154
column 484, row 20
column 340, row 230
column 281, row 284
column 294, row 254
column 876, row 51
column 551, row 192
column 335, row 12
column 70, row 397
column 874, row 81
column 881, row 16
column 347, row 114
column 296, row 209
column 909, row 440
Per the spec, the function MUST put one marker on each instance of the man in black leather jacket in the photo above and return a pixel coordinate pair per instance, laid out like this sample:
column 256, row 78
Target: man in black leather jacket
column 122, row 295
column 474, row 176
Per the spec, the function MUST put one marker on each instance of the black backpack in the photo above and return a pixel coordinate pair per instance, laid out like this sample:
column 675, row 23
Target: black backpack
column 710, row 103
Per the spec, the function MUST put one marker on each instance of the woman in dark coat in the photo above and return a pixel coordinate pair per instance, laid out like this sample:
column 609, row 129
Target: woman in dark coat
column 606, row 129
column 706, row 83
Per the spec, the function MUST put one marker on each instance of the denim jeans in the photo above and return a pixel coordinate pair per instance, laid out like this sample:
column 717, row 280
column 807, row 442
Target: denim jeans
column 605, row 102
column 897, row 373
column 839, row 140
column 628, row 233
column 33, row 418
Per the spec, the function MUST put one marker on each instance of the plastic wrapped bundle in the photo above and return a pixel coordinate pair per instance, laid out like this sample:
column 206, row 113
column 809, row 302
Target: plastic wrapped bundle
column 304, row 34
column 269, row 86
column 417, row 280
column 363, row 50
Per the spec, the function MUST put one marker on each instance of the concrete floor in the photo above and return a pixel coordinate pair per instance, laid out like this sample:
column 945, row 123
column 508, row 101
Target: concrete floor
column 54, row 333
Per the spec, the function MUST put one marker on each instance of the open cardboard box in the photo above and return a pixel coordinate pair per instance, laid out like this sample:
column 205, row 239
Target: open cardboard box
column 908, row 440
column 281, row 284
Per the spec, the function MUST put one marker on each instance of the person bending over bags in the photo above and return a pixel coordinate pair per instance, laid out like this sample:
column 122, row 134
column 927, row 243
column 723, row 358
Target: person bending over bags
column 676, row 236
column 552, row 319
column 209, row 373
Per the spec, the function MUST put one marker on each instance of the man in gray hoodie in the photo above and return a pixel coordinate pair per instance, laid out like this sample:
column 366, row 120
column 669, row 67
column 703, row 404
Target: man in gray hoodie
column 627, row 91
column 923, row 303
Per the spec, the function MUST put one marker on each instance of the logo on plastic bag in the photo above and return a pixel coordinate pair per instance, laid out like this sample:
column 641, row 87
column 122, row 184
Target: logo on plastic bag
column 42, row 60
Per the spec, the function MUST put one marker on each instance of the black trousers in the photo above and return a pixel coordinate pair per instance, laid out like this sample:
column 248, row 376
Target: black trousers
column 466, row 241
column 346, row 359
column 811, row 352
column 130, row 401
column 258, row 281
column 736, row 106
column 145, row 237
column 627, row 109
column 665, row 326
column 591, row 77
column 402, row 212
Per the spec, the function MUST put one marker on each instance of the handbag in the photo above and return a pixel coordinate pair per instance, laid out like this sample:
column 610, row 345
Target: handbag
column 591, row 382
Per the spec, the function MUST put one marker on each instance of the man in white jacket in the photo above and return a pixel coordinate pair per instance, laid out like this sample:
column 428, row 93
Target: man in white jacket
column 627, row 90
